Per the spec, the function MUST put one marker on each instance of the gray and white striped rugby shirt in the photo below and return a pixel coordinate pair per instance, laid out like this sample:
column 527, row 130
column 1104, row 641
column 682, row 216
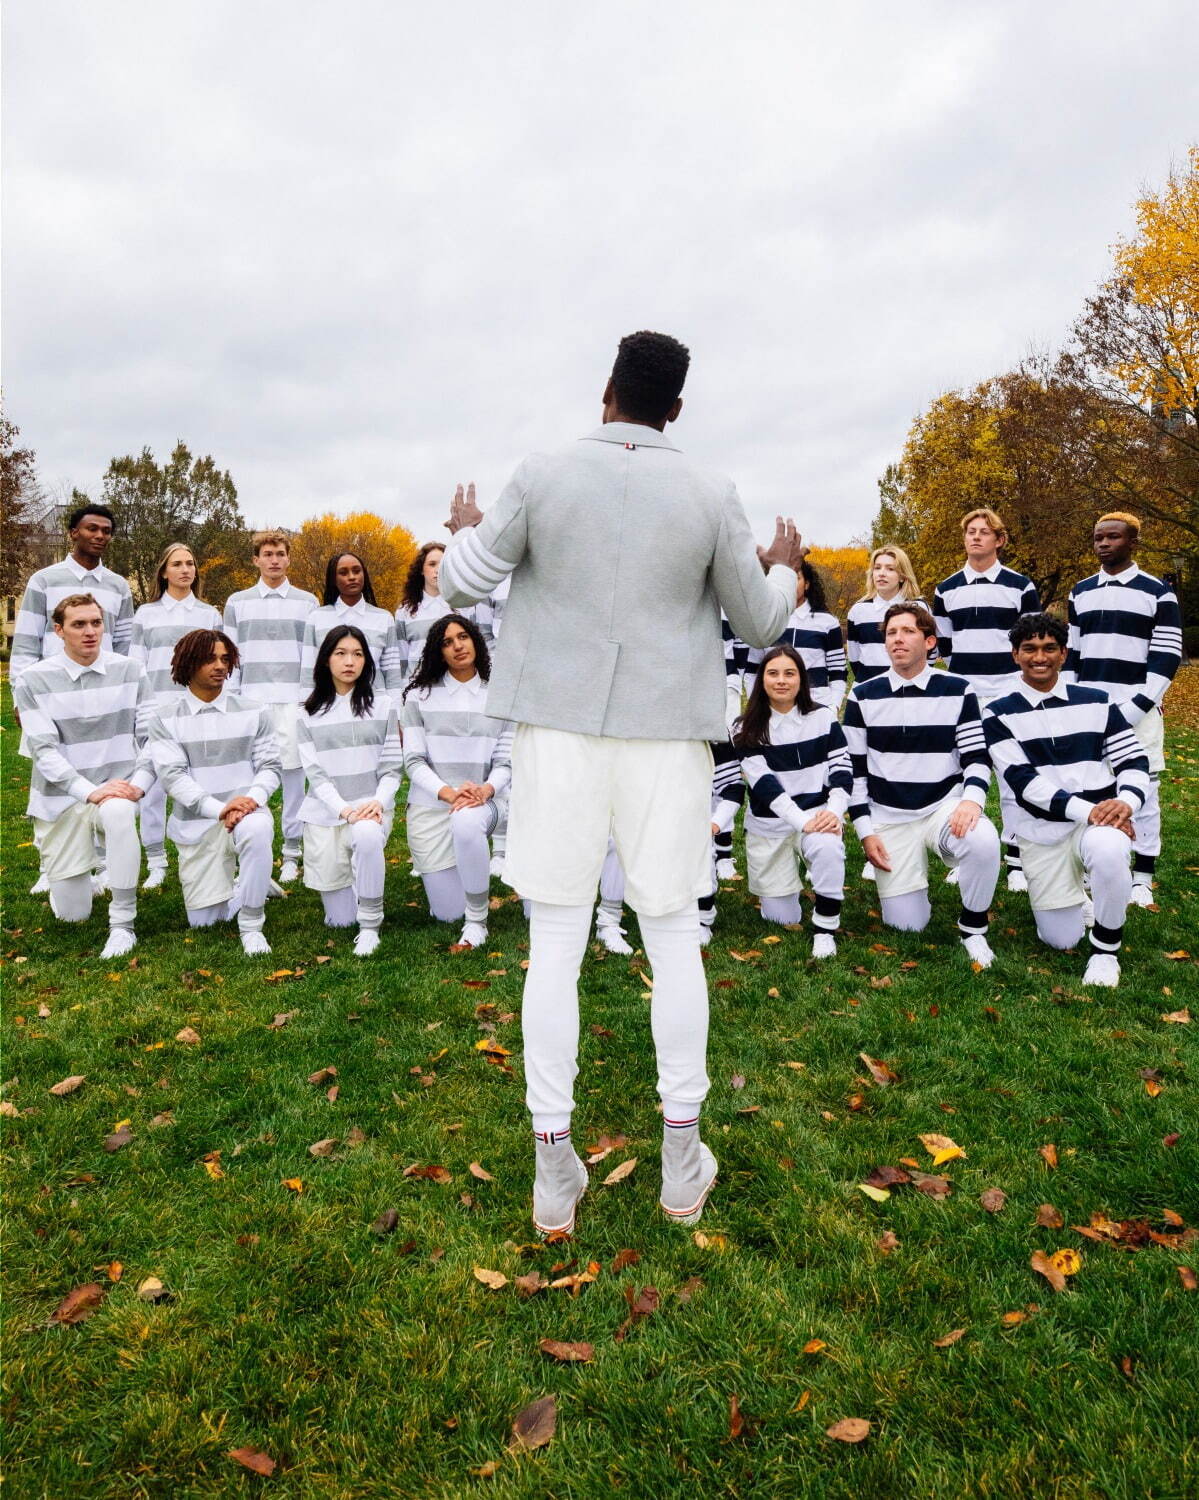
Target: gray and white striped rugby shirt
column 449, row 738
column 267, row 626
column 376, row 624
column 208, row 753
column 157, row 628
column 83, row 726
column 412, row 630
column 348, row 759
column 34, row 637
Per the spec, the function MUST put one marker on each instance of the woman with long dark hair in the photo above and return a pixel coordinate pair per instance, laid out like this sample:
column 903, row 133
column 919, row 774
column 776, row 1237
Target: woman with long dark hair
column 175, row 611
column 350, row 750
column 349, row 599
column 458, row 762
column 422, row 604
column 816, row 635
column 796, row 766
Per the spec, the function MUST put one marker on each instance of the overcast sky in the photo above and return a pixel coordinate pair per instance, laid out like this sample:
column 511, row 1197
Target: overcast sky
column 358, row 252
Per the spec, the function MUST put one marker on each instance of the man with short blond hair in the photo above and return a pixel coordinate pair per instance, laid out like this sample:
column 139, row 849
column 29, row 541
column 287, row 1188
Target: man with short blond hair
column 83, row 711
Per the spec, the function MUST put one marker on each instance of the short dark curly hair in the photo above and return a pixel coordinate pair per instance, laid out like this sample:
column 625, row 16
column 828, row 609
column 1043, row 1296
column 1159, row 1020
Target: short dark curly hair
column 648, row 375
column 1029, row 627
column 195, row 649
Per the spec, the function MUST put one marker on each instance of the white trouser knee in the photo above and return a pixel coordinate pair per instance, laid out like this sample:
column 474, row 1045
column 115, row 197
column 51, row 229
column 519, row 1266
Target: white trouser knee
column 447, row 903
column 253, row 839
column 1105, row 857
column 366, row 859
column 784, row 909
column 341, row 907
column 908, row 913
column 123, row 851
column 1147, row 822
column 1061, row 928
column 550, row 1010
column 976, row 856
column 679, row 1009
column 152, row 815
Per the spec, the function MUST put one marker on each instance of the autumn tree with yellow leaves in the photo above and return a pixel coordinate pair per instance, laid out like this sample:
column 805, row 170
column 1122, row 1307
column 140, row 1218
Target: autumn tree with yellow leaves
column 843, row 570
column 386, row 549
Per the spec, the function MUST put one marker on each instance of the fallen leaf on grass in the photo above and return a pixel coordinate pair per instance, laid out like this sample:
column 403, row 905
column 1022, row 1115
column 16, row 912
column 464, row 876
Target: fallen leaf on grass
column 814, row 1346
column 885, row 1177
column 489, row 1044
column 1067, row 1262
column 1048, row 1217
column 887, row 1242
column 624, row 1259
column 79, row 1303
column 1043, row 1265
column 1010, row 1319
column 736, row 1420
column 493, row 1279
column 293, row 1184
column 882, row 1073
column 355, row 1137
column 322, row 1075
column 167, row 1117
column 431, row 1174
column 68, row 1085
column 940, row 1147
column 323, row 1148
column 118, row 1138
column 386, row 1222
column 931, row 1185
column 689, row 1288
column 710, row 1241
column 576, row 1280
column 530, row 1285
column 1190, row 1282
column 476, row 1169
column 115, row 1270
column 534, row 1427
column 490, row 1469
column 1178, row 954
column 152, row 1290
column 737, row 1081
column 567, row 1354
column 9, row 1109
column 1172, row 1139
column 618, row 1174
column 849, row 1430
column 641, row 1305
column 993, row 1200
column 1049, row 1152
column 188, row 1035
column 281, row 1019
column 254, row 1460
column 949, row 1338
column 1176, row 1017
column 879, row 1195
column 1152, row 1087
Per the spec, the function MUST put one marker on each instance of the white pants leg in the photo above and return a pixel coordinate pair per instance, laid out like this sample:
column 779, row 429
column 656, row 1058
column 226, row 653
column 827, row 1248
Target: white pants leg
column 341, row 909
column 152, row 815
column 679, row 1009
column 71, row 899
column 367, row 859
column 293, row 829
column 550, row 1010
column 123, row 866
column 976, row 856
column 447, row 902
column 469, row 829
column 1061, row 928
column 784, row 909
column 910, row 912
column 824, row 856
column 1105, row 853
column 1147, row 821
column 253, row 840
column 208, row 916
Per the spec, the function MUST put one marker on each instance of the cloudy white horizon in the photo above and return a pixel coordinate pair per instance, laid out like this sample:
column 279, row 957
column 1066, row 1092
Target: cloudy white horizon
column 360, row 253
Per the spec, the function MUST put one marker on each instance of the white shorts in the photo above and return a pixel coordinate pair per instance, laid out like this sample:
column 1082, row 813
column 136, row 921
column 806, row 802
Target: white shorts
column 773, row 864
column 571, row 791
column 284, row 718
column 67, row 844
column 908, row 846
column 1055, row 871
column 1151, row 732
column 328, row 853
column 208, row 870
column 430, row 840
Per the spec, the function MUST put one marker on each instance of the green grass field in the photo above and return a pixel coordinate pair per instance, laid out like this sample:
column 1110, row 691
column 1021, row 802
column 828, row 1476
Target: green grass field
column 379, row 1365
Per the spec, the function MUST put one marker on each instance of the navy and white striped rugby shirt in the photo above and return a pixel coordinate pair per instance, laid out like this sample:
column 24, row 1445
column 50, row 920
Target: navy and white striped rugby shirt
column 1125, row 638
column 974, row 612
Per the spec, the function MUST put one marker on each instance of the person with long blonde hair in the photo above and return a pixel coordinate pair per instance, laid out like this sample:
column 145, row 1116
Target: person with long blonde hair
column 890, row 577
column 175, row 610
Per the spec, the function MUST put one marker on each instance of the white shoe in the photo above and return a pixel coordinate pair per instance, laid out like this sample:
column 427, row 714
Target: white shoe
column 41, row 885
column 1088, row 912
column 688, row 1172
column 120, row 941
column 99, row 882
column 1142, row 894
column 978, row 950
column 496, row 867
column 254, row 944
column 559, row 1183
column 824, row 945
column 474, row 935
column 289, row 872
column 1017, row 880
column 953, row 877
column 612, row 938
column 366, row 942
column 726, row 868
column 274, row 891
column 155, row 876
column 1103, row 969
column 868, row 873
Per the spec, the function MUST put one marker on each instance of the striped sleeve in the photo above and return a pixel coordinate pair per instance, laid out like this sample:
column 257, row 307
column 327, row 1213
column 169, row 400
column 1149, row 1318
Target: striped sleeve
column 391, row 663
column 1030, row 600
column 45, row 746
column 30, row 628
column 853, row 643
column 944, row 625
column 972, row 751
column 122, row 626
column 308, row 650
column 391, row 762
column 840, row 771
column 417, row 765
column 171, row 763
column 1073, row 642
column 500, row 775
column 320, row 783
column 854, row 729
column 479, row 558
column 728, row 786
column 1126, row 756
column 1165, row 652
column 1034, row 792
column 266, row 760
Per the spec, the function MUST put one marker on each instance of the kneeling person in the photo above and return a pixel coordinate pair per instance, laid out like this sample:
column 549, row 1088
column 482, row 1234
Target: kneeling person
column 1072, row 776
column 350, row 751
column 921, row 774
column 217, row 756
column 80, row 714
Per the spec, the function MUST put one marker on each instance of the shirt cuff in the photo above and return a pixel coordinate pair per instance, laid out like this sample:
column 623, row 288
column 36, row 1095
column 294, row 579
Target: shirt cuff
column 976, row 794
column 1133, row 712
column 260, row 794
column 1078, row 809
column 330, row 798
column 143, row 777
column 211, row 807
column 786, row 812
column 81, row 788
column 501, row 779
column 724, row 814
column 863, row 826
column 837, row 802
column 387, row 789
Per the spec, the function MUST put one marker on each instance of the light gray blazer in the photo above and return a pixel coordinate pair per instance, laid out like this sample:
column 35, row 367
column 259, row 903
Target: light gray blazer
column 622, row 554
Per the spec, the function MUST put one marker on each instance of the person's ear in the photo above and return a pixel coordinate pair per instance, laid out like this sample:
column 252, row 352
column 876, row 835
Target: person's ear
column 673, row 414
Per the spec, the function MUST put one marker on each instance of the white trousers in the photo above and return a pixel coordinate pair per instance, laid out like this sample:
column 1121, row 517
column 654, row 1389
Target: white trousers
column 152, row 817
column 903, row 890
column 67, row 848
column 461, row 887
column 1055, row 887
column 205, row 871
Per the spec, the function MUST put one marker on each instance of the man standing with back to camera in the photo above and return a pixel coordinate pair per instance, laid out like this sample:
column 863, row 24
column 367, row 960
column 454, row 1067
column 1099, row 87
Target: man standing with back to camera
column 622, row 554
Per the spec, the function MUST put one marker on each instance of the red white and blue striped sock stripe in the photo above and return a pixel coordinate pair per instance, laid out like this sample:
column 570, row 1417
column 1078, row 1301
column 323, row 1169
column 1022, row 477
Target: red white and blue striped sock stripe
column 552, row 1137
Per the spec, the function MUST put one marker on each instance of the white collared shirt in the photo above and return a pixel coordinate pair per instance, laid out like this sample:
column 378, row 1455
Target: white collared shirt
column 979, row 575
column 920, row 680
column 1129, row 573
column 196, row 705
column 266, row 592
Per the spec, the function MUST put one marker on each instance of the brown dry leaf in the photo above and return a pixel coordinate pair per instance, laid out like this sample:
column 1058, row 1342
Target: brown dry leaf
column 887, row 1242
column 1171, row 1217
column 641, row 1305
column 115, row 1270
column 167, row 1117
column 1067, row 1262
column 386, row 1222
column 993, row 1200
column 814, row 1346
column 881, row 981
column 1190, row 1282
column 530, row 1285
column 1048, row 1217
column 68, row 1085
column 1152, row 1087
column 322, row 1075
column 355, row 1137
column 254, row 1460
column 1172, row 1139
column 332, row 1093
column 935, row 1145
column 931, row 1185
column 1175, row 1017
column 430, row 1174
column 188, row 1035
column 849, row 1430
column 118, row 1138
column 79, row 1303
column 490, row 1045
column 493, row 1279
column 1049, row 1152
column 882, row 1073
column 1178, row 954
column 534, row 1427
column 490, row 1469
column 689, row 1287
column 476, row 1169
column 293, row 1184
column 152, row 1290
column 618, row 1174
column 886, row 1177
column 623, row 1259
column 567, row 1354
column 281, row 1019
column 710, row 1241
column 9, row 1109
column 1043, row 1265
column 323, row 1148
column 576, row 1281
column 1010, row 1319
column 949, row 1338
column 736, row 1420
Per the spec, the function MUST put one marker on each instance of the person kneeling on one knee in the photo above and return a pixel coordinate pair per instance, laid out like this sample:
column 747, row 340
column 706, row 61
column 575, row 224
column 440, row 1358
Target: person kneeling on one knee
column 921, row 775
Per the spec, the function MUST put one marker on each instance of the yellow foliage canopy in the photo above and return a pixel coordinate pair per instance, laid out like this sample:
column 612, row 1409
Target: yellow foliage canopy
column 843, row 570
column 387, row 551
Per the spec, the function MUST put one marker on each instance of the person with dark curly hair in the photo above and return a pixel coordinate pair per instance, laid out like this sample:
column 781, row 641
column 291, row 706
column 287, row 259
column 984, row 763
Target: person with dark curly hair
column 622, row 554
column 216, row 753
column 421, row 605
column 457, row 757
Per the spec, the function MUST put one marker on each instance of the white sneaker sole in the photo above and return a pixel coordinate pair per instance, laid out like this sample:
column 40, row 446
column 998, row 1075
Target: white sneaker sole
column 544, row 1230
column 693, row 1214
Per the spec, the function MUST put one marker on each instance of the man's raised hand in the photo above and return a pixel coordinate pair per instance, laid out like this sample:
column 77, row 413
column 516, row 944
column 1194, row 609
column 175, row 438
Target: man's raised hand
column 786, row 547
column 463, row 510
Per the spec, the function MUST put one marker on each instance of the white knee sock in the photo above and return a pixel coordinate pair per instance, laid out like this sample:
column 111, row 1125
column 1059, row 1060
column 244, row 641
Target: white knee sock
column 71, row 900
column 370, row 913
column 293, row 829
column 679, row 1009
column 550, row 1011
column 444, row 890
column 251, row 919
column 909, row 912
column 341, row 908
column 1061, row 928
column 122, row 907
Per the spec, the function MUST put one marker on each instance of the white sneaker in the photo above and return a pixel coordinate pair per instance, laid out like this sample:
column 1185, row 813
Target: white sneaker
column 705, row 934
column 41, row 885
column 289, row 872
column 274, row 891
column 953, row 877
column 1088, row 912
column 1103, row 969
column 155, row 876
column 496, row 867
column 366, row 942
column 1142, row 894
column 868, row 873
column 688, row 1172
column 612, row 938
column 99, row 882
column 726, row 868
column 978, row 950
column 474, row 935
column 120, row 941
column 254, row 944
column 560, row 1181
column 824, row 945
column 1017, row 880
